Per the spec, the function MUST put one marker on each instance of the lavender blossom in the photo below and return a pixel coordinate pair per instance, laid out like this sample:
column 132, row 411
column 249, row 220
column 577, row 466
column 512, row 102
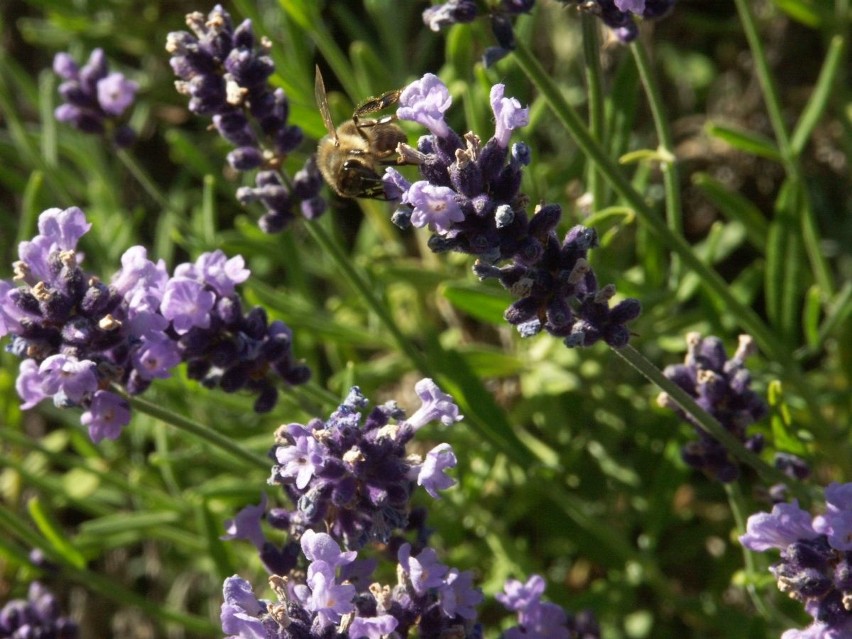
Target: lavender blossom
column 83, row 342
column 469, row 196
column 39, row 615
column 446, row 14
column 353, row 477
column 540, row 619
column 225, row 72
column 815, row 566
column 721, row 387
column 95, row 99
column 620, row 15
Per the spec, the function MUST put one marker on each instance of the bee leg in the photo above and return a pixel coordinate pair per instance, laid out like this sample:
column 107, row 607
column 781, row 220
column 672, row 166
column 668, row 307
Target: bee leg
column 371, row 105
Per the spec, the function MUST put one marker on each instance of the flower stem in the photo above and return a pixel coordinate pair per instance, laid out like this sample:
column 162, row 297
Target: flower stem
column 738, row 510
column 706, row 421
column 594, row 90
column 669, row 166
column 210, row 436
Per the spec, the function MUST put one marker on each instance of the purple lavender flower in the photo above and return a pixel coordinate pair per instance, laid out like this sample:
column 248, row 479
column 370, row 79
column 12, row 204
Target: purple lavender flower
column 433, row 206
column 470, row 198
column 721, row 387
column 425, row 101
column 815, row 566
column 508, row 114
column 443, row 15
column 246, row 524
column 353, row 476
column 619, row 15
column 94, row 99
column 79, row 338
column 225, row 72
column 376, row 627
column 39, row 615
column 241, row 611
column 540, row 619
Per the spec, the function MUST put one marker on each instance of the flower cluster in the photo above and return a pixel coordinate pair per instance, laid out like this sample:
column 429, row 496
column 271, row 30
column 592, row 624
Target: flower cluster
column 443, row 15
column 225, row 72
column 338, row 601
column 720, row 386
column 335, row 598
column 620, row 15
column 78, row 336
column 36, row 616
column 816, row 559
column 94, row 98
column 470, row 198
column 539, row 619
column 350, row 478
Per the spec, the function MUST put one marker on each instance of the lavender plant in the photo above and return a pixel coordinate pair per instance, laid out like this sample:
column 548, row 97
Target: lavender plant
column 225, row 72
column 470, row 198
column 38, row 616
column 712, row 201
column 815, row 567
column 95, row 99
column 81, row 340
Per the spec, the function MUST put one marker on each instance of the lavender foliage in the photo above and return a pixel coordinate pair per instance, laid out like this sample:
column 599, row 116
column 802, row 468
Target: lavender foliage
column 815, row 566
column 80, row 338
column 225, row 70
column 94, row 100
column 37, row 617
column 721, row 387
column 470, row 197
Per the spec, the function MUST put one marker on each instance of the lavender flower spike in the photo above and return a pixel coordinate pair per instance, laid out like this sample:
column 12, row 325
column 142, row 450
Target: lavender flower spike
column 816, row 565
column 425, row 102
column 437, row 405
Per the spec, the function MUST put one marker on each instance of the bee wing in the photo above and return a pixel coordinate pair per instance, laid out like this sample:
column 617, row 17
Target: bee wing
column 322, row 103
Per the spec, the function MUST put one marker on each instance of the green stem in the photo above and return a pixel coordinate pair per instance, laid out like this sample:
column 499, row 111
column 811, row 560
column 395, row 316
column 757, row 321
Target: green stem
column 669, row 166
column 738, row 509
column 141, row 176
column 750, row 321
column 706, row 421
column 210, row 436
column 767, row 83
column 359, row 280
column 594, row 91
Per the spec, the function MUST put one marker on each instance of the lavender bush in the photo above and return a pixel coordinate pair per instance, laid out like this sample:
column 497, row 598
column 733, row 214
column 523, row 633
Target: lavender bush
column 193, row 322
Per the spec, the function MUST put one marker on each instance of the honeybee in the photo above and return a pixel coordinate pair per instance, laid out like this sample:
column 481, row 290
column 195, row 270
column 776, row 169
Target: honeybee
column 350, row 155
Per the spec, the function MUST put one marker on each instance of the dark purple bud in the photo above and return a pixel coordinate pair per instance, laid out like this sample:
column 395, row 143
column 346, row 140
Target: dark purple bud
column 245, row 158
column 123, row 136
column 545, row 220
column 626, row 311
column 244, row 36
column 523, row 310
column 501, row 26
column 266, row 400
column 298, row 374
column 493, row 55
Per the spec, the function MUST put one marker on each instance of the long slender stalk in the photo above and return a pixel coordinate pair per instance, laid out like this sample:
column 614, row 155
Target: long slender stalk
column 738, row 510
column 212, row 437
column 594, row 92
column 671, row 171
column 569, row 118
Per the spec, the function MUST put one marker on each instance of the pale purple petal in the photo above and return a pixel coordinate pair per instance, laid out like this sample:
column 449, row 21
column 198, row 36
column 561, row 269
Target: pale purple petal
column 424, row 570
column 425, row 101
column 508, row 115
column 786, row 524
column 246, row 524
column 214, row 268
column 458, row 596
column 107, row 415
column 64, row 227
column 322, row 547
column 631, row 6
column 435, row 206
column 432, row 475
column 836, row 521
column 437, row 406
column 65, row 67
column 156, row 356
column 372, row 627
column 395, row 184
column 29, row 384
column 68, row 376
column 187, row 304
column 116, row 93
column 241, row 610
column 329, row 599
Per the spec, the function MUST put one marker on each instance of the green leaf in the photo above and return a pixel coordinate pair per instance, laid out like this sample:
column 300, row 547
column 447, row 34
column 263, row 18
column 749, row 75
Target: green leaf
column 54, row 535
column 802, row 11
column 735, row 207
column 745, row 141
column 483, row 303
column 782, row 423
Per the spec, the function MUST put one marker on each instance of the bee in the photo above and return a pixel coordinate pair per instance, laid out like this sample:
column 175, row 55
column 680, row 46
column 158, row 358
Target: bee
column 350, row 155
